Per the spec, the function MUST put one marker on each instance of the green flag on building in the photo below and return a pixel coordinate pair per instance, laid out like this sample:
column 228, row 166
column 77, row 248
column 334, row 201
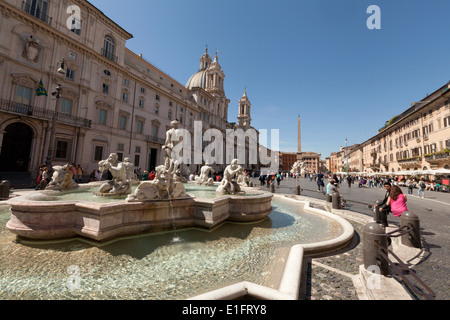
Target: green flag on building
column 40, row 91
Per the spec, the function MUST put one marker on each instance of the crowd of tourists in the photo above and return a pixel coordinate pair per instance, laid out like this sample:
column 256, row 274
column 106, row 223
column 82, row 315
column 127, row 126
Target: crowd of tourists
column 411, row 183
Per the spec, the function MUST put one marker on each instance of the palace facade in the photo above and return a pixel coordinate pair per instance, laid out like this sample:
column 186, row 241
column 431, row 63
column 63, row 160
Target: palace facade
column 417, row 139
column 111, row 100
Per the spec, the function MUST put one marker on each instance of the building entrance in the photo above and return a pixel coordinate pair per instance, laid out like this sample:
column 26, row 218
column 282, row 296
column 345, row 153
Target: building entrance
column 16, row 146
column 153, row 159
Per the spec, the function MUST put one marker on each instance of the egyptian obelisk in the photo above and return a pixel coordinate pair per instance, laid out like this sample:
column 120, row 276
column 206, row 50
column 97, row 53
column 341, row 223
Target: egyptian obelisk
column 299, row 151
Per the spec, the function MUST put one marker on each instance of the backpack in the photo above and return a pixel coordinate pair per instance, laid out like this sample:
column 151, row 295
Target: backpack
column 423, row 185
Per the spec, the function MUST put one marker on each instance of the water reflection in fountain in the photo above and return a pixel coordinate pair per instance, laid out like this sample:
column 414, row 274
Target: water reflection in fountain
column 159, row 265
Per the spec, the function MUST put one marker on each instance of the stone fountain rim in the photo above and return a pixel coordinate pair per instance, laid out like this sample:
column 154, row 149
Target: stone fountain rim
column 29, row 197
column 290, row 283
column 291, row 280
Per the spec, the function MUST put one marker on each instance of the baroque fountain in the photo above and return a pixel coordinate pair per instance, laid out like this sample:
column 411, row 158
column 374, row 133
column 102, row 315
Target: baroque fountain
column 159, row 239
column 158, row 205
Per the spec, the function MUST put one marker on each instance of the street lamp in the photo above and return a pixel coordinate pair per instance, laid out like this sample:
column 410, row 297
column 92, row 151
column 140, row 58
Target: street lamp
column 61, row 69
column 57, row 94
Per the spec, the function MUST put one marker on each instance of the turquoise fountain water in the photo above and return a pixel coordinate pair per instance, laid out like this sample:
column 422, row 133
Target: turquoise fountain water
column 169, row 265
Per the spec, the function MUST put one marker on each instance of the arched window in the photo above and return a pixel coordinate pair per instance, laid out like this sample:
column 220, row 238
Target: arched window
column 109, row 48
column 38, row 9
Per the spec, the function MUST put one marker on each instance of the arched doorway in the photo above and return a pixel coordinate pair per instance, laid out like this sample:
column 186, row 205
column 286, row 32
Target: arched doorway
column 16, row 146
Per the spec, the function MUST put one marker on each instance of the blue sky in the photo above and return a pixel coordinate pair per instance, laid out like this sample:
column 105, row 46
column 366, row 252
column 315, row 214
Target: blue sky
column 313, row 58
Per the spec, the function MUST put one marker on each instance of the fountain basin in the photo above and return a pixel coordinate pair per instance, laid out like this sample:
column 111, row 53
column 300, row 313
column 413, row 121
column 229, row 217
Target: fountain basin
column 37, row 217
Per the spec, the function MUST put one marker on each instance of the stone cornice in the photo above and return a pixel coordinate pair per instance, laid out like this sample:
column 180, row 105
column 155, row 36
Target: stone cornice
column 36, row 24
column 101, row 16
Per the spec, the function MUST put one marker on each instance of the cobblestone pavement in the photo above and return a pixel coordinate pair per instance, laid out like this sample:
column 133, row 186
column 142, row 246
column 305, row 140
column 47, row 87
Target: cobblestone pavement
column 333, row 277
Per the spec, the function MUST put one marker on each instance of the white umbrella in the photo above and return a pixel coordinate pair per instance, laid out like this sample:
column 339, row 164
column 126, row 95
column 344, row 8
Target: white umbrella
column 438, row 172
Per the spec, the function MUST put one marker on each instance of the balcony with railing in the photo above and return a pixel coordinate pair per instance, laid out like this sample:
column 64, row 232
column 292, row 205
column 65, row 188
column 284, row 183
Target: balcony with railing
column 156, row 140
column 109, row 54
column 36, row 11
column 43, row 114
column 415, row 160
column 437, row 158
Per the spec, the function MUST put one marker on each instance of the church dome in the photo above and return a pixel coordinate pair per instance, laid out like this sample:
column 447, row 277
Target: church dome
column 197, row 80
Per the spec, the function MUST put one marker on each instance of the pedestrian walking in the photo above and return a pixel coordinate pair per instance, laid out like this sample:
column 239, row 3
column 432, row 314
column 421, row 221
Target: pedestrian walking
column 278, row 178
column 261, row 180
column 320, row 184
column 349, row 180
column 39, row 178
column 422, row 187
column 79, row 173
column 45, row 178
column 410, row 184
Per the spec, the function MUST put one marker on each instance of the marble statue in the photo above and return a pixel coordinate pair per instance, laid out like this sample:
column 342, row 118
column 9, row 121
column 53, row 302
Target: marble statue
column 120, row 184
column 62, row 179
column 300, row 168
column 229, row 184
column 163, row 187
column 242, row 178
column 204, row 178
column 130, row 170
column 168, row 182
column 169, row 145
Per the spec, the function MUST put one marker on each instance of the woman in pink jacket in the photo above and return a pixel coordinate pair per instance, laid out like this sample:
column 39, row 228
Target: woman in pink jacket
column 397, row 201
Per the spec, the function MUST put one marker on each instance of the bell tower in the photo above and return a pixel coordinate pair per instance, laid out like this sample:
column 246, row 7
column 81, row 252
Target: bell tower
column 205, row 60
column 216, row 77
column 244, row 118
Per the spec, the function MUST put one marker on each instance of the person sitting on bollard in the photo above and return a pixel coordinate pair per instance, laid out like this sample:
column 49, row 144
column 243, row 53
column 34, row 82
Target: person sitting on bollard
column 383, row 211
column 331, row 187
column 397, row 202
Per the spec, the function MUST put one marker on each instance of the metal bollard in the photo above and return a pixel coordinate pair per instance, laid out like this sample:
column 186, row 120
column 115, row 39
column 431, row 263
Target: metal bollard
column 374, row 232
column 5, row 188
column 376, row 211
column 250, row 184
column 336, row 200
column 411, row 239
column 272, row 188
column 298, row 190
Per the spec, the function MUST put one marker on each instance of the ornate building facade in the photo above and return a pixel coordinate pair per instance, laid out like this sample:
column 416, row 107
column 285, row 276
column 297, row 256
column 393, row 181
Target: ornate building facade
column 417, row 139
column 111, row 100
